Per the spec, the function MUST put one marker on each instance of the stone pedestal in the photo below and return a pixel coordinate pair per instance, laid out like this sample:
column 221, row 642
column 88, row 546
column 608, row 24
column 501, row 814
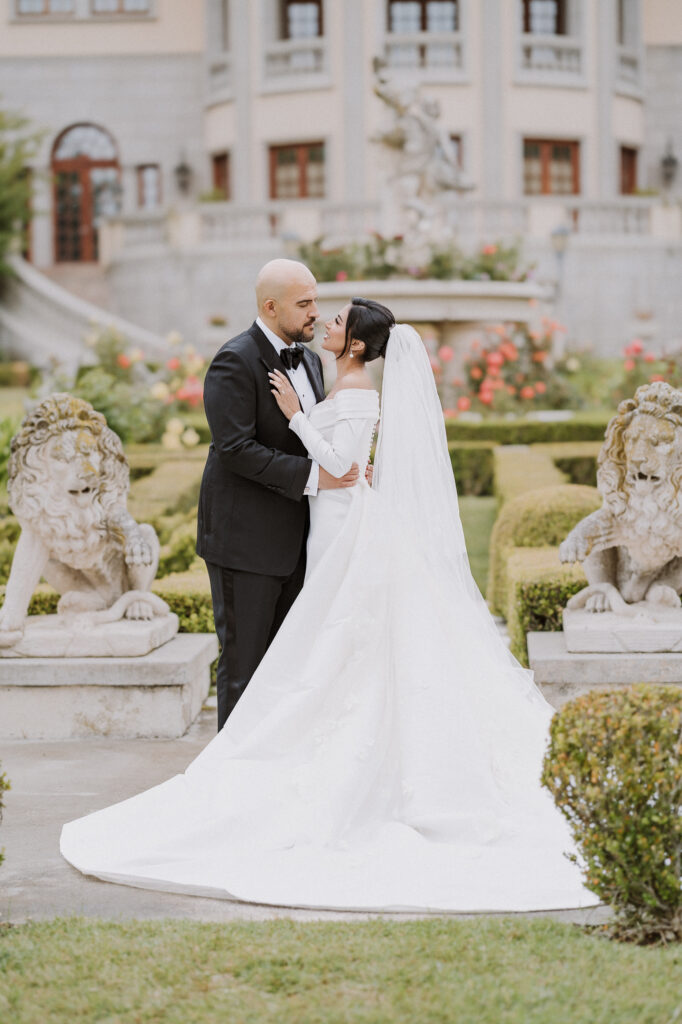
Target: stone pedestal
column 60, row 637
column 158, row 694
column 562, row 675
column 648, row 630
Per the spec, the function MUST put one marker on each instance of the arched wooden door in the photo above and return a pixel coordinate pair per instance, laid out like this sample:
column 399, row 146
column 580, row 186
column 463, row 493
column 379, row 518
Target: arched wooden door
column 86, row 175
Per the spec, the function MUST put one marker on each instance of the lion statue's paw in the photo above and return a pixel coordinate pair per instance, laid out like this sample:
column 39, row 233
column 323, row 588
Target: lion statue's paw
column 139, row 551
column 661, row 594
column 139, row 611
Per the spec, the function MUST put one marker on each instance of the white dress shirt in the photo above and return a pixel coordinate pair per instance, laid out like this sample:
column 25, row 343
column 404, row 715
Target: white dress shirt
column 304, row 389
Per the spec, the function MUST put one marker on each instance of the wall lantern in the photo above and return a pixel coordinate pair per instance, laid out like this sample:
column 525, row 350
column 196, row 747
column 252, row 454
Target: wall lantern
column 183, row 176
column 669, row 165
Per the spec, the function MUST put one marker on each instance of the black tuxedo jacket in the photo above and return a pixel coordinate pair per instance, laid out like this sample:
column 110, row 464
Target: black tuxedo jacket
column 252, row 512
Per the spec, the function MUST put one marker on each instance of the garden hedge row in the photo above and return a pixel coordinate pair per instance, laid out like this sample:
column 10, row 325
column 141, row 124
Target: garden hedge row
column 538, row 588
column 473, row 467
column 536, row 519
column 580, row 428
column 520, row 468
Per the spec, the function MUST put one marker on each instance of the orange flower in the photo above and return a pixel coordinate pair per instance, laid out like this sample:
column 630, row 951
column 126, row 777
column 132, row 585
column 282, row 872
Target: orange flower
column 486, row 397
column 528, row 391
column 540, row 387
column 511, row 390
column 173, row 363
column 445, row 353
column 655, row 377
column 489, row 250
column 476, row 372
column 123, row 360
column 463, row 403
column 539, row 356
column 649, row 357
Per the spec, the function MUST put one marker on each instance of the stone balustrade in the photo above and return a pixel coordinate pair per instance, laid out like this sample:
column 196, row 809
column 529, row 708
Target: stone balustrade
column 553, row 54
column 295, row 57
column 441, row 51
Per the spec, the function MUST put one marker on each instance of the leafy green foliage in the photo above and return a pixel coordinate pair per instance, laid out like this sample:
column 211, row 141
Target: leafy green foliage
column 473, row 467
column 538, row 518
column 581, row 428
column 18, row 144
column 614, row 768
column 380, row 258
column 8, row 428
column 522, row 469
column 179, row 552
column 538, row 588
column 4, row 786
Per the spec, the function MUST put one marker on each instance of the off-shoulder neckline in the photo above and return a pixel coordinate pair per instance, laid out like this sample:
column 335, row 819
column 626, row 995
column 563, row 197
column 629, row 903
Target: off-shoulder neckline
column 332, row 398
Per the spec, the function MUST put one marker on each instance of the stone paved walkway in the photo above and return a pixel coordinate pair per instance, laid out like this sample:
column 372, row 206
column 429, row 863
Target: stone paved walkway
column 54, row 782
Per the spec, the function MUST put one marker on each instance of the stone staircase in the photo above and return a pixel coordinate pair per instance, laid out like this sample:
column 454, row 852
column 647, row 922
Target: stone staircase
column 87, row 281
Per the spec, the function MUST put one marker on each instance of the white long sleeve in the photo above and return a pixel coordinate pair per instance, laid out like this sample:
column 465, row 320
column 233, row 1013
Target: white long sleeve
column 354, row 407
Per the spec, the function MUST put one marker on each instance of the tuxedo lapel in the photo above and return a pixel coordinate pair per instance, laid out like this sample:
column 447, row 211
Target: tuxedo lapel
column 312, row 367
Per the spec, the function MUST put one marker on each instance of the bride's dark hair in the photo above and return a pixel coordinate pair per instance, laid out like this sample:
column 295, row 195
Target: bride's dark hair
column 370, row 322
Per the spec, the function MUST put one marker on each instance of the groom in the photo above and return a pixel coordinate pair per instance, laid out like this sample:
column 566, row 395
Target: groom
column 253, row 508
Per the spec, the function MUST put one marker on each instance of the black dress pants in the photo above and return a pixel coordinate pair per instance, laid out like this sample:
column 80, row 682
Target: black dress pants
column 248, row 609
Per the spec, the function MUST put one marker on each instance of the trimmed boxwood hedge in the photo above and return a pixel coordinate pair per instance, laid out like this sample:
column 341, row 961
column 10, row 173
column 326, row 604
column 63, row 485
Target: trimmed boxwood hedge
column 519, row 468
column 538, row 589
column 581, row 428
column 473, row 467
column 614, row 768
column 538, row 518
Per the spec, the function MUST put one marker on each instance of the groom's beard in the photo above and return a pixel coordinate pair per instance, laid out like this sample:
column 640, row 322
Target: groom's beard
column 300, row 337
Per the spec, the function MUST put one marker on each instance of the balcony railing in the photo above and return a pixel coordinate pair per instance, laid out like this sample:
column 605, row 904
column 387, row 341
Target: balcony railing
column 295, row 57
column 430, row 51
column 620, row 217
column 349, row 220
column 561, row 55
column 225, row 222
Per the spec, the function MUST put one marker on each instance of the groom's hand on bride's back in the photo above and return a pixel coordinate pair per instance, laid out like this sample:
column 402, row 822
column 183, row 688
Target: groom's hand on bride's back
column 327, row 482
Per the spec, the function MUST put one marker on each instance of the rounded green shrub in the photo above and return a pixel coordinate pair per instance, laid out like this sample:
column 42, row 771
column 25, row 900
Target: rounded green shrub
column 538, row 518
column 614, row 768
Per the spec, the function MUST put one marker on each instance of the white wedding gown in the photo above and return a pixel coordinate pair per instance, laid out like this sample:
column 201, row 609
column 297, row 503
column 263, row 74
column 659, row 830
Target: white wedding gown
column 387, row 752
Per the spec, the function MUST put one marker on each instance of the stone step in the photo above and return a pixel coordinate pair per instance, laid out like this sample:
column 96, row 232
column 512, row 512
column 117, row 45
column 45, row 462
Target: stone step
column 158, row 694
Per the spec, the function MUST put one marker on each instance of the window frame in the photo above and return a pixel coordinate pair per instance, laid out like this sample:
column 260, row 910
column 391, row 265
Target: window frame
column 545, row 161
column 423, row 16
column 562, row 18
column 120, row 11
column 302, row 161
column 222, row 155
column 139, row 173
column 46, row 13
column 626, row 154
column 284, row 20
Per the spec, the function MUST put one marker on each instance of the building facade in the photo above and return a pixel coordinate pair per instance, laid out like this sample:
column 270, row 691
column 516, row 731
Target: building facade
column 187, row 140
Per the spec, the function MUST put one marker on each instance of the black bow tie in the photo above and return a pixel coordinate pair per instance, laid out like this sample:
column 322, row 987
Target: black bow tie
column 291, row 356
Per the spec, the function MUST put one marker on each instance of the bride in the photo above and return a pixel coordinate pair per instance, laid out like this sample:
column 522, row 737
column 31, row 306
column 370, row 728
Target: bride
column 387, row 752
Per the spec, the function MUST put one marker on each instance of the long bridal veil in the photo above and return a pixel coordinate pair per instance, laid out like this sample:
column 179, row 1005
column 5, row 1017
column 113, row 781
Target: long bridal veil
column 413, row 474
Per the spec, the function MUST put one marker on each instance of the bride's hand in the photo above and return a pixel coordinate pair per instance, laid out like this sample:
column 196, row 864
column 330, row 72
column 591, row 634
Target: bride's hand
column 285, row 396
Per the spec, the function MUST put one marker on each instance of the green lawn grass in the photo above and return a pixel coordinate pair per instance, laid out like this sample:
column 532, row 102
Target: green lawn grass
column 486, row 971
column 478, row 516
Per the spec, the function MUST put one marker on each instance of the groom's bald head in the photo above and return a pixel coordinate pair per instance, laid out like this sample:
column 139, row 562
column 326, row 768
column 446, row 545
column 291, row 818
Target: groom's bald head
column 286, row 293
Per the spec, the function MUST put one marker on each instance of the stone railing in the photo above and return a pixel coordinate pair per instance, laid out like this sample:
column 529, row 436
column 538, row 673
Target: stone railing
column 432, row 51
column 562, row 55
column 621, row 217
column 349, row 220
column 476, row 220
column 295, row 57
column 225, row 222
column 44, row 323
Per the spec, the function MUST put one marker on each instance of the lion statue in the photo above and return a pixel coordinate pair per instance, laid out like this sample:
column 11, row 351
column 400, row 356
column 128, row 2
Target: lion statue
column 67, row 486
column 631, row 548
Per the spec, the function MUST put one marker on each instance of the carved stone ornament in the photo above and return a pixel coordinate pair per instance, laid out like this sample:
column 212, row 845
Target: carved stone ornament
column 68, row 484
column 631, row 548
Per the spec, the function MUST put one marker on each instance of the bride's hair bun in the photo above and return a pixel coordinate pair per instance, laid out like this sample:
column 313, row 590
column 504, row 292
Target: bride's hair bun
column 370, row 322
